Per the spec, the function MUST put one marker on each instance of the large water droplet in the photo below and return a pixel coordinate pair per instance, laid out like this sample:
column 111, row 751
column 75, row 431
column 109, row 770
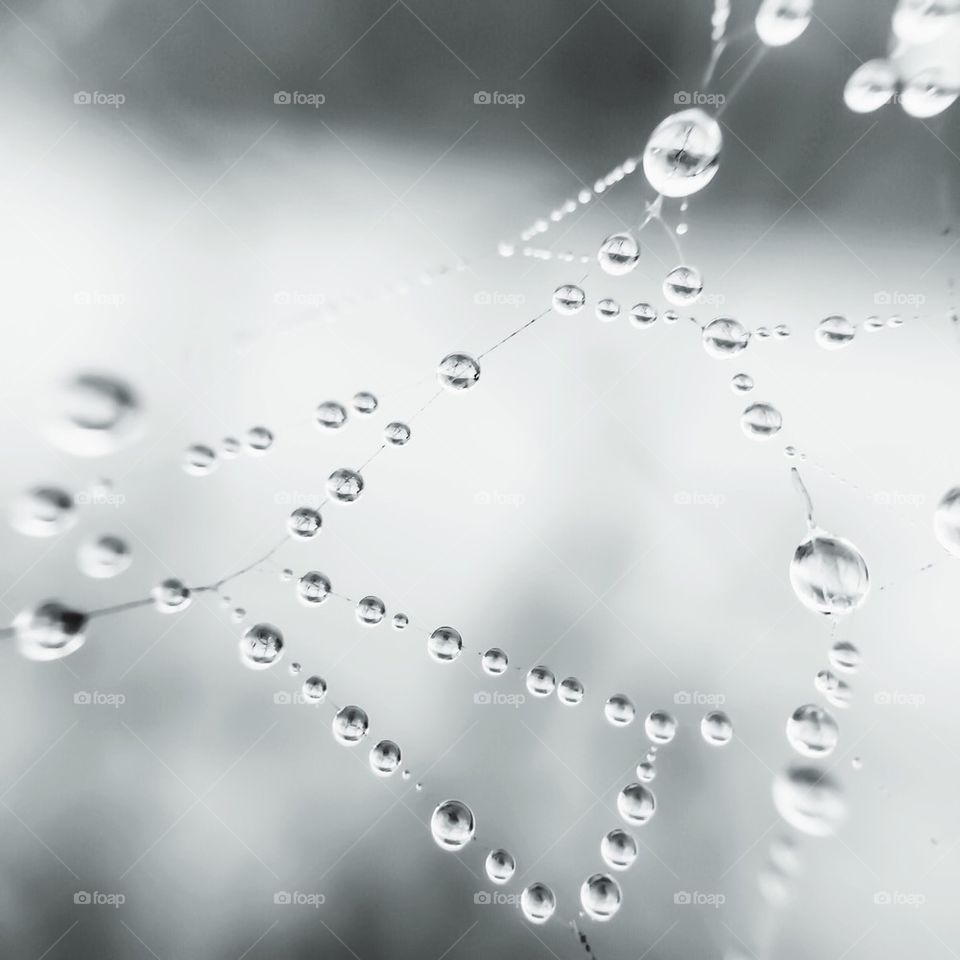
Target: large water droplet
column 779, row 22
column 716, row 728
column 541, row 681
column 494, row 662
column 618, row 849
column 636, row 803
column 49, row 631
column 833, row 333
column 500, row 866
column 683, row 153
column 725, row 337
column 99, row 415
column 261, row 646
column 760, row 421
column 618, row 254
column 350, row 725
column 870, row 86
column 660, row 727
column 444, row 644
column 345, row 485
column 812, row 732
column 384, row 758
column 457, row 372
column 682, row 285
column 106, row 556
column 538, row 903
column 619, row 710
column 313, row 588
column 304, row 523
column 828, row 574
column 370, row 611
column 331, row 415
column 452, row 825
column 568, row 299
column 600, row 896
column 43, row 512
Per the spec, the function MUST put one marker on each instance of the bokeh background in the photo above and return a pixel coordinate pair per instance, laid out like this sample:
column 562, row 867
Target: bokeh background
column 592, row 505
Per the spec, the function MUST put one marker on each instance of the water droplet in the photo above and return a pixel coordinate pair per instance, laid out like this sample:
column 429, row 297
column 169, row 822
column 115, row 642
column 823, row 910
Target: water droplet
column 870, row 86
column 670, row 317
column 364, row 403
column 812, row 732
column 646, row 771
column 370, row 611
column 106, row 556
column 43, row 512
column 922, row 21
column 229, row 448
column 286, row 575
column 304, row 523
column 833, row 333
column 259, row 440
column 400, row 621
column 857, row 763
column 541, row 681
column 171, row 596
column 313, row 588
column 538, row 903
column 618, row 849
column 946, row 522
column 619, row 710
column 760, row 421
column 781, row 331
column 331, row 415
column 570, row 691
column 500, row 866
column 396, row 433
column 345, row 485
column 600, row 896
column 779, row 22
column 725, row 337
column 873, row 324
column 809, row 800
column 762, row 332
column 836, row 691
column 384, row 758
column 261, row 646
column 607, row 310
column 452, row 825
column 350, row 725
column 314, row 689
column 238, row 614
column 636, row 803
column 683, row 153
column 457, row 371
column 642, row 315
column 568, row 299
column 828, row 574
column 618, row 254
column 295, row 668
column 844, row 656
column 199, row 460
column 716, row 728
column 494, row 662
column 49, row 631
column 444, row 644
column 100, row 414
column 682, row 229
column 682, row 285
column 660, row 727
column 741, row 383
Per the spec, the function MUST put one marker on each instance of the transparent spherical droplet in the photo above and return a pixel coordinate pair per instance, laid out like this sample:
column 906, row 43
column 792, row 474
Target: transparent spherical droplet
column 683, row 153
column 607, row 310
column 500, row 866
column 384, row 758
column 370, row 611
column 295, row 668
column 103, row 557
column 286, row 575
column 568, row 299
column 682, row 229
column 600, row 897
column 760, row 421
column 418, row 787
column 396, row 433
column 762, row 332
column 716, row 728
column 642, row 315
column 345, row 485
column 741, row 383
column 646, row 771
column 834, row 333
column 894, row 321
column 238, row 614
column 844, row 656
column 229, row 448
column 400, row 621
column 809, row 800
column 725, row 337
column 670, row 317
column 364, row 403
column 618, row 849
column 452, row 825
column 314, row 689
column 494, row 662
column 171, row 596
column 870, row 86
column 258, row 440
column 331, row 415
column 873, row 324
column 43, row 512
column 781, row 331
column 946, row 522
column 923, row 21
column 570, row 691
column 829, row 574
column 779, row 22
column 313, row 588
column 261, row 646
column 636, row 803
column 660, row 727
column 836, row 691
column 541, row 681
column 619, row 710
column 538, row 903
column 350, row 725
column 927, row 93
column 457, row 371
column 199, row 460
column 444, row 644
column 99, row 414
column 618, row 254
column 304, row 523
column 49, row 631
column 812, row 732
column 682, row 285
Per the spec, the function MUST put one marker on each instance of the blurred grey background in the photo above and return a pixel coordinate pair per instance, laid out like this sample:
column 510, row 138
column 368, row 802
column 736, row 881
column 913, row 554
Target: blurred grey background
column 592, row 505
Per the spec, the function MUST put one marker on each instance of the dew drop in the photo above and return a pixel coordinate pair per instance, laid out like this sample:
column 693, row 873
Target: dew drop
column 642, row 315
column 43, row 512
column 760, row 421
column 834, row 333
column 568, row 299
column 171, row 596
column 646, row 771
column 845, row 657
column 494, row 662
column 331, row 415
column 600, row 896
column 396, row 433
column 259, row 440
column 636, row 803
column 607, row 310
column 946, row 522
column 809, row 800
column 618, row 254
column 314, row 689
column 345, row 485
column 570, row 691
column 350, row 725
column 540, row 681
column 500, row 866
column 444, row 644
column 619, row 710
column 683, row 153
column 682, row 285
column 99, row 415
column 49, row 631
column 828, row 574
column 261, row 646
column 400, row 621
column 660, row 727
column 716, row 728
column 458, row 371
column 725, row 337
column 304, row 523
column 779, row 22
column 313, row 588
column 538, row 903
column 452, row 825
column 812, row 731
column 364, row 403
column 104, row 557
column 199, row 460
column 370, row 611
column 741, row 383
column 870, row 86
column 384, row 758
column 618, row 849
